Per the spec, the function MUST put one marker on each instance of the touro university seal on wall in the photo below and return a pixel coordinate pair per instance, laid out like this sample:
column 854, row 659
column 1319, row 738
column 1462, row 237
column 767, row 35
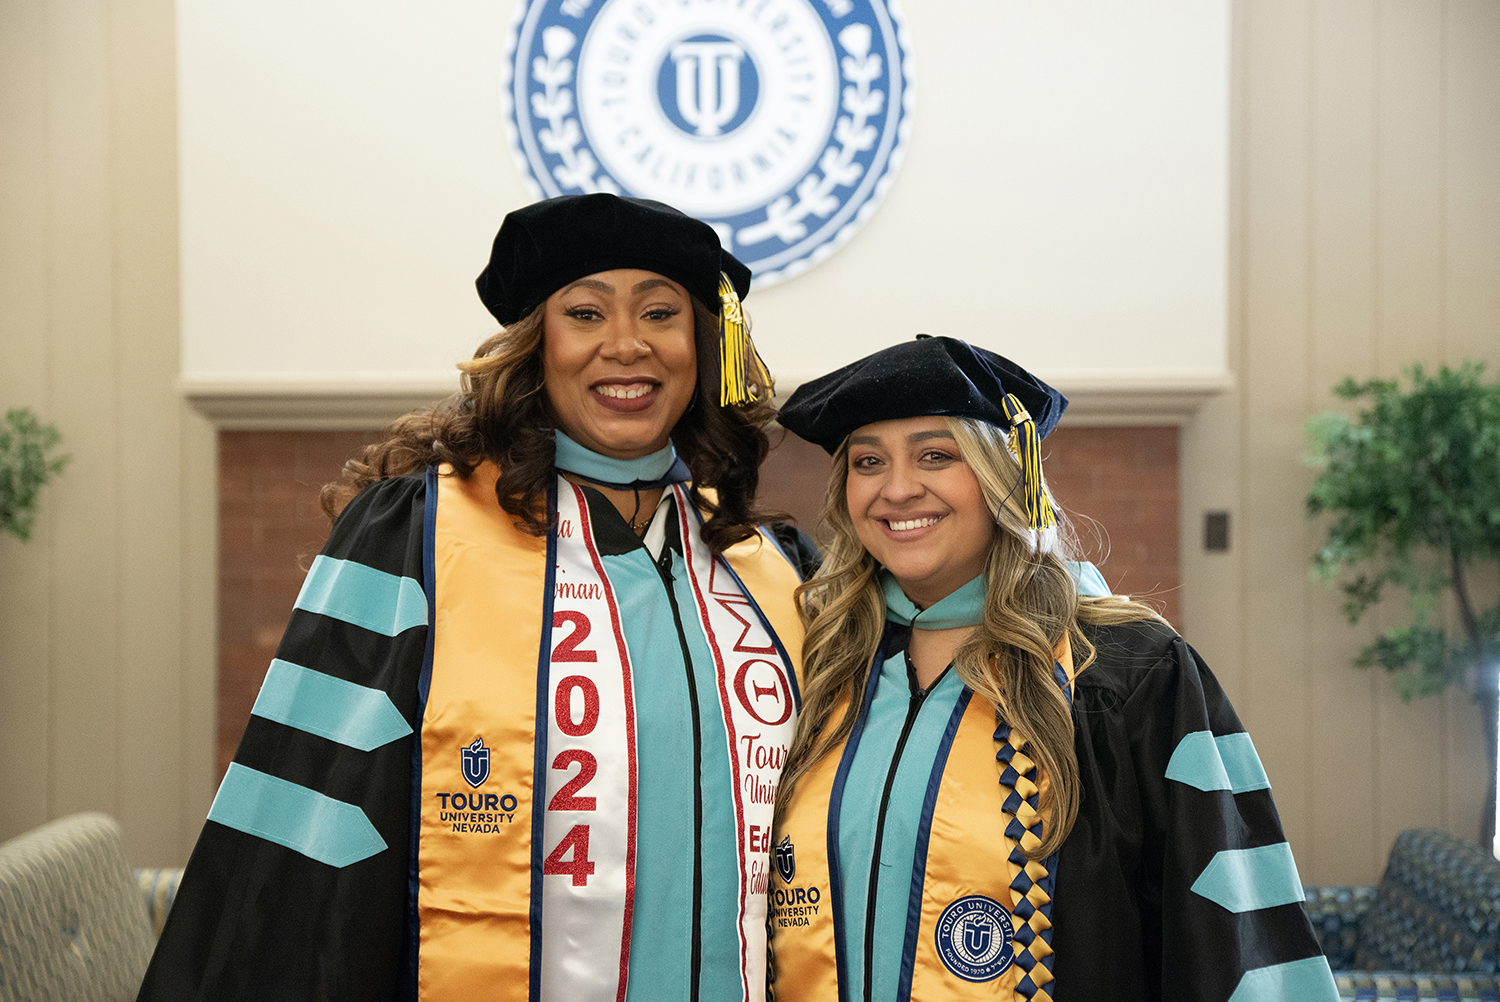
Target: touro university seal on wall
column 780, row 123
column 974, row 936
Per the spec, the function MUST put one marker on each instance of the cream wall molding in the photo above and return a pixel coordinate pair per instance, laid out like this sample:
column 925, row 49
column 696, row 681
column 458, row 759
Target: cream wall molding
column 322, row 405
column 328, row 405
column 1138, row 400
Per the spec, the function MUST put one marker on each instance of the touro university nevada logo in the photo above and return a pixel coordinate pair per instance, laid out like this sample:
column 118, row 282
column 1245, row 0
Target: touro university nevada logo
column 778, row 122
column 786, row 859
column 474, row 763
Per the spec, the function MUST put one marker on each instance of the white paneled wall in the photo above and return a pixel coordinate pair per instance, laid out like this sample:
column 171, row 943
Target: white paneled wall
column 106, row 616
column 1365, row 237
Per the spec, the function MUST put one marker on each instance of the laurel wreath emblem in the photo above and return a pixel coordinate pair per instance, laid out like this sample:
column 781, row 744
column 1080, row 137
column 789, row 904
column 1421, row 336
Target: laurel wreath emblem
column 852, row 134
column 554, row 70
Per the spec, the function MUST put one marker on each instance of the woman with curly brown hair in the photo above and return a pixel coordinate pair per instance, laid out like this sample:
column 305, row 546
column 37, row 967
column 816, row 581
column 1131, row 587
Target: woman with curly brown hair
column 1005, row 782
column 514, row 741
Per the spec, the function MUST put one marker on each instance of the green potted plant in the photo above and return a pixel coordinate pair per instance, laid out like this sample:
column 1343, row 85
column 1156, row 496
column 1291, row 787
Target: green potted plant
column 1412, row 485
column 27, row 461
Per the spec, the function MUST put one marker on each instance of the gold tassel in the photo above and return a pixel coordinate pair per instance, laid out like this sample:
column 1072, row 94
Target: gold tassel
column 1026, row 446
column 741, row 371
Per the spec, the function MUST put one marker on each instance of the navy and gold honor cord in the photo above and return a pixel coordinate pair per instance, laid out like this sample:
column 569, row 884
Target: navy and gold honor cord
column 741, row 371
column 1035, row 883
column 1026, row 446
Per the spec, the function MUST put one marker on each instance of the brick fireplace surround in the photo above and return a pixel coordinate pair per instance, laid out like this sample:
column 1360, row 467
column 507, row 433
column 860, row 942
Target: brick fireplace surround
column 1119, row 485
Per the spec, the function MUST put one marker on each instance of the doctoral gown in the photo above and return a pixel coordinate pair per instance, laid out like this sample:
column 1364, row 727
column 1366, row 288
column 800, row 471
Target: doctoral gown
column 326, row 905
column 1175, row 882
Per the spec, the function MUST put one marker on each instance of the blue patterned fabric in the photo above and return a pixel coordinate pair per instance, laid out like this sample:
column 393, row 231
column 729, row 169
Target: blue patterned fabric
column 1437, row 908
column 1367, row 986
column 158, row 890
column 1336, row 912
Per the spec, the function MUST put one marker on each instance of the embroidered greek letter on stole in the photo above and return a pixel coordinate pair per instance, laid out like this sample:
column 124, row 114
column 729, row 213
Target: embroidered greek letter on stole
column 757, row 695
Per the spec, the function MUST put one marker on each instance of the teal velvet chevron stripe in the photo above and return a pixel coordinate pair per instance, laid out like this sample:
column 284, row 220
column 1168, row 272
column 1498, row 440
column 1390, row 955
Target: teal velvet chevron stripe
column 1225, row 762
column 1243, row 880
column 354, row 593
column 1241, row 763
column 321, row 828
column 352, row 715
column 1196, row 761
column 1308, row 980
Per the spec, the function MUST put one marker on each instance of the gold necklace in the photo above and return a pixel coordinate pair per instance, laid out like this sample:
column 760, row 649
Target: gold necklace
column 633, row 515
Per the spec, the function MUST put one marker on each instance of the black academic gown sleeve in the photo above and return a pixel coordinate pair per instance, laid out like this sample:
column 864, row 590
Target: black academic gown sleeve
column 799, row 548
column 1127, row 924
column 256, row 920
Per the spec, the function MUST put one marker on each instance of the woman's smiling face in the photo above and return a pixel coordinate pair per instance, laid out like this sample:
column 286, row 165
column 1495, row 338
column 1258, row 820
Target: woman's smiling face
column 917, row 506
column 619, row 360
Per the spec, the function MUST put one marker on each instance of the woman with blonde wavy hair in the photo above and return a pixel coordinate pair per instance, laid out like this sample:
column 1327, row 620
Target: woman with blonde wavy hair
column 495, row 757
column 1005, row 782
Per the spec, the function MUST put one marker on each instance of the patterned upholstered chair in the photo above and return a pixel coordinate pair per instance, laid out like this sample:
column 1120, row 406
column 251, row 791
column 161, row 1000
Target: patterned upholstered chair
column 1429, row 931
column 158, row 890
column 71, row 921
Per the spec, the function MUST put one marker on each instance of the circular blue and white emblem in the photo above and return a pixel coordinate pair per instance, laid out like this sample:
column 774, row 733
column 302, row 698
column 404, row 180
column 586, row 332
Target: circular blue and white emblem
column 975, row 938
column 778, row 122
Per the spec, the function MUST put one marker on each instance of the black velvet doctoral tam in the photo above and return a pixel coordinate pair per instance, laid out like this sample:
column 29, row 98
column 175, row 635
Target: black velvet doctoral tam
column 931, row 375
column 543, row 246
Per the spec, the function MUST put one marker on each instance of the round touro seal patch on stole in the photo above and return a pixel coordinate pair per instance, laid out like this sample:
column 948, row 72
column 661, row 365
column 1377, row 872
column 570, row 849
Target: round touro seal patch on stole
column 975, row 938
column 778, row 122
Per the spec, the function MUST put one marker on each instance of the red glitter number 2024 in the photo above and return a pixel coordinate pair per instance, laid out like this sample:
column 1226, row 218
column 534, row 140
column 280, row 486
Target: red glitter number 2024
column 570, row 857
